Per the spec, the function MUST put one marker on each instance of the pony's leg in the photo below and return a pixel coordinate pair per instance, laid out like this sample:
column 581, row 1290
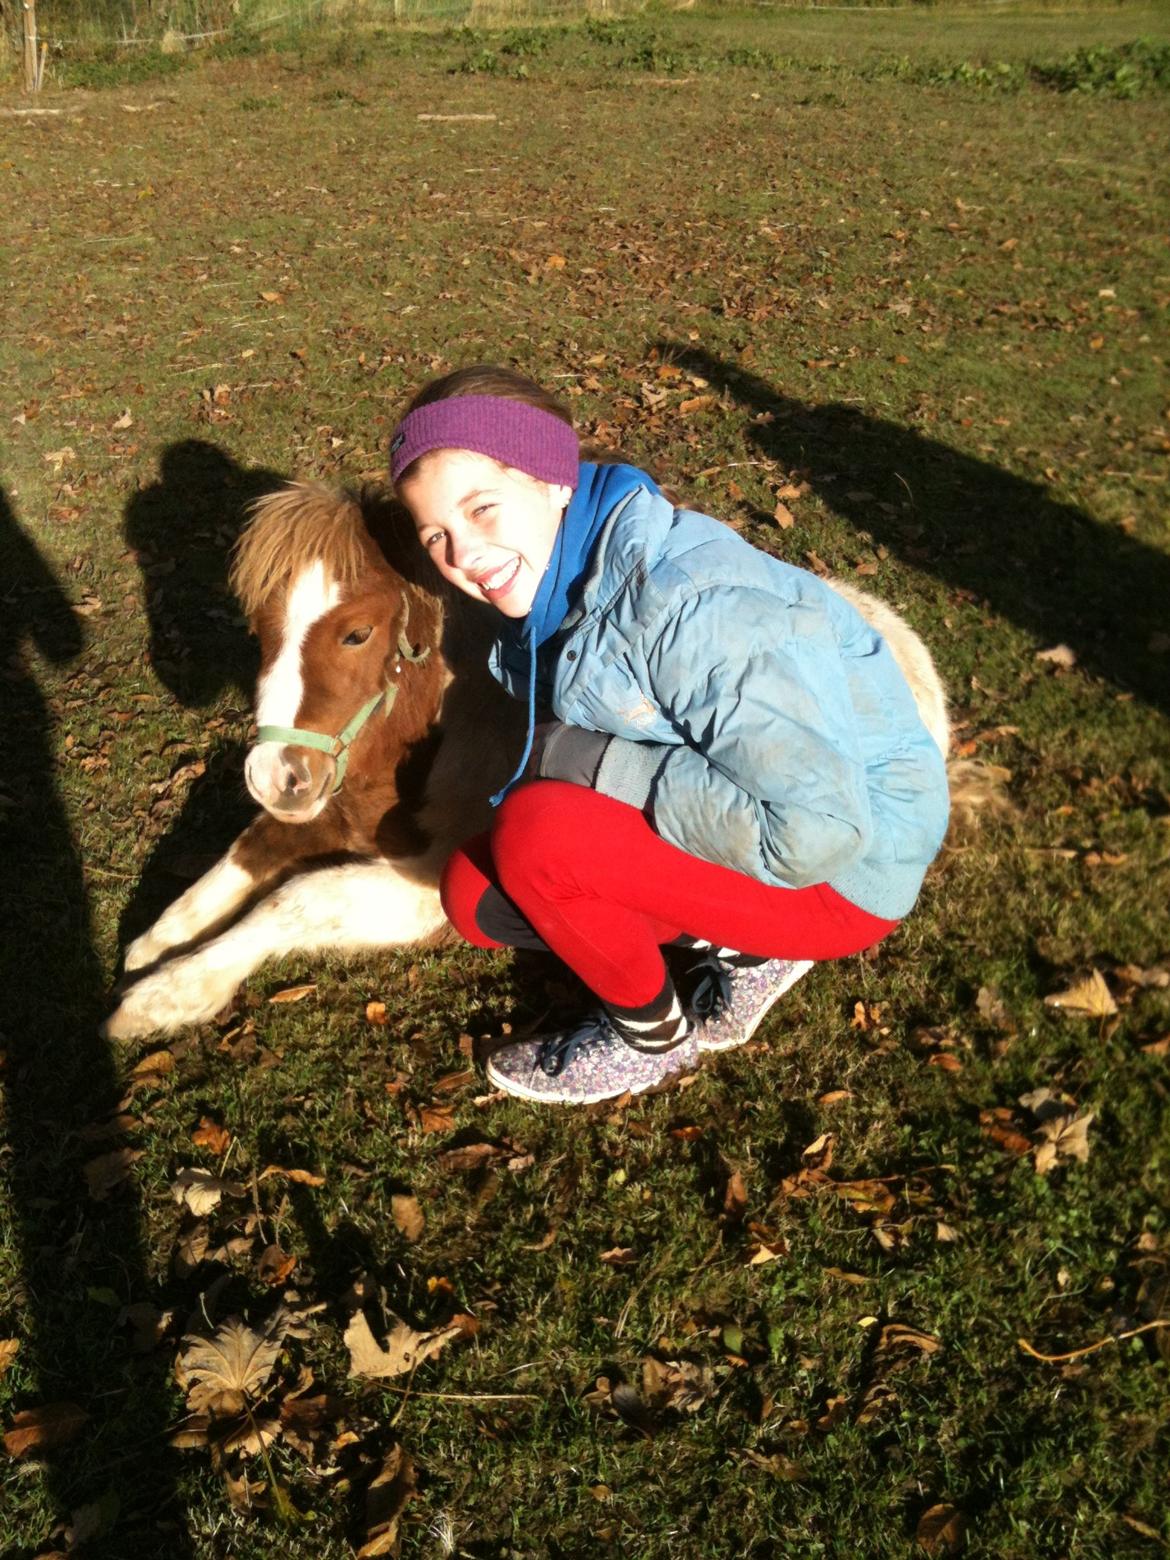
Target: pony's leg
column 361, row 905
column 265, row 852
column 218, row 894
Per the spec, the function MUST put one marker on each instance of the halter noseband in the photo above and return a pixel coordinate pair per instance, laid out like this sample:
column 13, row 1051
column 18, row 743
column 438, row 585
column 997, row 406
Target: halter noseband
column 338, row 747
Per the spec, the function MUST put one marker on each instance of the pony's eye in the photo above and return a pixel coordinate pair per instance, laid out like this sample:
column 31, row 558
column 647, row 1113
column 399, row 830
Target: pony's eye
column 357, row 636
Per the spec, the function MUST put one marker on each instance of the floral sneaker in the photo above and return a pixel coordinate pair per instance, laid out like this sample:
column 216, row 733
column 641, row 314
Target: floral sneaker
column 583, row 1063
column 729, row 998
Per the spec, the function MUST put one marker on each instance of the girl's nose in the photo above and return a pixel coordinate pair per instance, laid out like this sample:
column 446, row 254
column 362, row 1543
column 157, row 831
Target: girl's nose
column 460, row 551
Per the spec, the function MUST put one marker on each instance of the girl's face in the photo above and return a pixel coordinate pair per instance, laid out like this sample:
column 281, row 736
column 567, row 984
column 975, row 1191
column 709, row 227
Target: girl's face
column 487, row 528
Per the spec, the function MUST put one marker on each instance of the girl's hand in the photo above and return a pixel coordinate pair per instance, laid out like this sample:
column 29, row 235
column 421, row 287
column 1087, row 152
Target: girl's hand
column 562, row 752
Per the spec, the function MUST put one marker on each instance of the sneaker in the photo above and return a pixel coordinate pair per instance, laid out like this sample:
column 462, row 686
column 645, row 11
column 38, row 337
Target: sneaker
column 584, row 1063
column 729, row 999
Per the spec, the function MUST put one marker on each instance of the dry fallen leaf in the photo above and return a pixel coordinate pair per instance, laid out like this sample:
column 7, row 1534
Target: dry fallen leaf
column 9, row 1349
column 376, row 1014
column 619, row 1256
column 298, row 1177
column 1063, row 1138
column 40, row 1429
column 940, row 1530
column 201, row 1190
column 679, row 1385
column 220, row 1374
column 294, row 993
column 407, row 1215
column 405, row 1348
column 735, row 1198
column 109, row 1170
column 1088, row 998
column 386, row 1498
column 437, row 1118
column 211, row 1135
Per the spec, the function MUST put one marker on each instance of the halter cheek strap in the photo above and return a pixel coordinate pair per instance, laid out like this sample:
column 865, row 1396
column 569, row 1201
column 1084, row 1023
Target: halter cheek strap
column 338, row 747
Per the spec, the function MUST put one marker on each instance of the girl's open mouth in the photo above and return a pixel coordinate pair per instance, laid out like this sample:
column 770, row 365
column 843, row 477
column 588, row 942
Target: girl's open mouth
column 500, row 581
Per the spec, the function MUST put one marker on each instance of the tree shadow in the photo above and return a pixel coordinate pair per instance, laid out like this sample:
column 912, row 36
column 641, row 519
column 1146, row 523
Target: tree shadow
column 81, row 1258
column 181, row 530
column 1050, row 568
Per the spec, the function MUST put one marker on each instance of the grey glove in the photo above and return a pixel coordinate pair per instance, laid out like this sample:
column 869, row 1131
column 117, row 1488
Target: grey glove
column 614, row 766
column 571, row 753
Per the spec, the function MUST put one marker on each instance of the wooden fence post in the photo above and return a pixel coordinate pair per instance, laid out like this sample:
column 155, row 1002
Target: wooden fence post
column 31, row 73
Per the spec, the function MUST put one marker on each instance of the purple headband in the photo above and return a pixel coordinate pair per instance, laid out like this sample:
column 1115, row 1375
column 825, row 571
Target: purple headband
column 511, row 432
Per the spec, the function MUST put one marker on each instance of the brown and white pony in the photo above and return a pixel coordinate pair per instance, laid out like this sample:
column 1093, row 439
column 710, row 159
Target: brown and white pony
column 368, row 670
column 337, row 590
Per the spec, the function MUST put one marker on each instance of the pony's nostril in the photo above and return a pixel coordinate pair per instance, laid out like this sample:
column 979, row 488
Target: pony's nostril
column 296, row 778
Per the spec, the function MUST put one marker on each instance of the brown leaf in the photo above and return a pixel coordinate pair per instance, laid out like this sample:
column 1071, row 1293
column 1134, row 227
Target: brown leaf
column 9, row 1349
column 619, row 1256
column 109, row 1170
column 679, row 1385
column 834, row 1096
column 376, row 1014
column 783, row 516
column 211, row 1135
column 156, row 1065
column 41, row 1429
column 896, row 1337
column 405, row 1348
column 1088, row 998
column 469, row 1156
column 735, row 1198
column 946, row 1061
column 990, row 1006
column 1063, row 1138
column 274, row 1264
column 697, row 403
column 294, row 993
column 940, row 1530
column 391, row 1488
column 201, row 1190
column 555, row 263
column 819, row 1153
column 407, row 1215
column 298, row 1177
column 452, row 1081
column 220, row 1374
column 1157, row 1047
column 1006, row 1136
column 437, row 1118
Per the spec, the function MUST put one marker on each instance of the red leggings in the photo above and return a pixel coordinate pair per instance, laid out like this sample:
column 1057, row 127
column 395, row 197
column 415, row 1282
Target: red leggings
column 605, row 893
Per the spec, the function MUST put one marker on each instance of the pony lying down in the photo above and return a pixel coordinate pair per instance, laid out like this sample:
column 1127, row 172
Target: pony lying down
column 381, row 735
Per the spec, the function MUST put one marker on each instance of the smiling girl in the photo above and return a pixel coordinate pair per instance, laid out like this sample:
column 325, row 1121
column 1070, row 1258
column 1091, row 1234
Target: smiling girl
column 727, row 758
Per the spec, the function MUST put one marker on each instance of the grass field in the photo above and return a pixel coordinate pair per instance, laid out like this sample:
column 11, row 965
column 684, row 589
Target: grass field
column 928, row 309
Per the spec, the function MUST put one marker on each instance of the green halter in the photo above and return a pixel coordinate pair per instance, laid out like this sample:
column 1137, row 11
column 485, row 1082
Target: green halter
column 338, row 747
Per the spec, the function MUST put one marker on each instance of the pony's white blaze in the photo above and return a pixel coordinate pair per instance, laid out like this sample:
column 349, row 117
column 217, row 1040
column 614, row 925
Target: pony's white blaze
column 282, row 687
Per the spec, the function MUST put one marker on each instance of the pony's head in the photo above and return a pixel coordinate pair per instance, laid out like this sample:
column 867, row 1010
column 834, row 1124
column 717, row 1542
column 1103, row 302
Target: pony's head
column 337, row 625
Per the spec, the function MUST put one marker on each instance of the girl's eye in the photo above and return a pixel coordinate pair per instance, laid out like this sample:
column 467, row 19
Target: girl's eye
column 480, row 509
column 358, row 636
column 435, row 536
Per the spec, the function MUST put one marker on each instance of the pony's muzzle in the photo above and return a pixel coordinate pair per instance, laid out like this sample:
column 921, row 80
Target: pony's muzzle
column 292, row 783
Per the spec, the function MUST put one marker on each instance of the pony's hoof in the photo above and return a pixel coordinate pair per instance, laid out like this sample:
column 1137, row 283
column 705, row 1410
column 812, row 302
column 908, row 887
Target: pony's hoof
column 141, row 952
column 125, row 1024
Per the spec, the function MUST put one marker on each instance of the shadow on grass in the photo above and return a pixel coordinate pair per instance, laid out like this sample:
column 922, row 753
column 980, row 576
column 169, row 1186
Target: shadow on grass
column 182, row 529
column 80, row 1260
column 1046, row 566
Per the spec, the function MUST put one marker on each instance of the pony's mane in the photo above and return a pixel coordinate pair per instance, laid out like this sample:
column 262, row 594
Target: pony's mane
column 302, row 524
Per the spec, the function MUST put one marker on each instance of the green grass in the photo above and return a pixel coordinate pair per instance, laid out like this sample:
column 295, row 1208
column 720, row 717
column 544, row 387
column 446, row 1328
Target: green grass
column 944, row 309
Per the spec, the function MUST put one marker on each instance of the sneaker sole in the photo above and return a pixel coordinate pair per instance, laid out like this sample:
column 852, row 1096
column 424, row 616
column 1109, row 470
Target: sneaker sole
column 513, row 1087
column 800, row 968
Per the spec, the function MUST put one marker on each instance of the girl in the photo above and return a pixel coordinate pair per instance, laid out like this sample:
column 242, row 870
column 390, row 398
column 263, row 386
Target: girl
column 732, row 760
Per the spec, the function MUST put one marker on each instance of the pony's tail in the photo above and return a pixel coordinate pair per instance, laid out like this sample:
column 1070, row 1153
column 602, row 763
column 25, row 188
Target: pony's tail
column 978, row 792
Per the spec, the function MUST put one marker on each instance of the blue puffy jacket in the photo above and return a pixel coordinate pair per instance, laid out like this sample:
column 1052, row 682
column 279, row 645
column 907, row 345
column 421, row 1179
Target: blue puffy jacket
column 759, row 717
